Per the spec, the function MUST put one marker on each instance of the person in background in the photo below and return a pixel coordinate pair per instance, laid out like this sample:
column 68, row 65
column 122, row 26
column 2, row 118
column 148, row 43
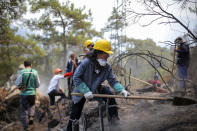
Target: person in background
column 156, row 82
column 88, row 79
column 88, row 47
column 71, row 66
column 27, row 82
column 182, row 60
column 54, row 89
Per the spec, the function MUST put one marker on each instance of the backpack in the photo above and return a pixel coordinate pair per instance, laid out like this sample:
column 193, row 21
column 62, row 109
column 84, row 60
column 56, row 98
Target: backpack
column 24, row 87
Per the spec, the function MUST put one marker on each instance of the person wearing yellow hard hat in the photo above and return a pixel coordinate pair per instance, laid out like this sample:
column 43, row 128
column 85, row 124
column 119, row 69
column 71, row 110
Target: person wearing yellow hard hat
column 88, row 46
column 88, row 79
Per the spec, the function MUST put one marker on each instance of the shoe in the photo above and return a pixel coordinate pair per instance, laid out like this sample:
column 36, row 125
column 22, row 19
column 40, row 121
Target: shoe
column 31, row 122
column 75, row 125
column 26, row 129
column 115, row 120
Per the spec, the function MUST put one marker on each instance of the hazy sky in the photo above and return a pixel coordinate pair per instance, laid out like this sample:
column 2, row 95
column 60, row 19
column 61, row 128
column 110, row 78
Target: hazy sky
column 101, row 10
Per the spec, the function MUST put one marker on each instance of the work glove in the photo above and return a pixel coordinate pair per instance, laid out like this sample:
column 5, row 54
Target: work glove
column 88, row 95
column 124, row 93
column 68, row 74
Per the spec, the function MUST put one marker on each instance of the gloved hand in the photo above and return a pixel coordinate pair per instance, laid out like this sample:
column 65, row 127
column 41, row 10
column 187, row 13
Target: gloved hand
column 124, row 93
column 60, row 90
column 88, row 95
column 68, row 74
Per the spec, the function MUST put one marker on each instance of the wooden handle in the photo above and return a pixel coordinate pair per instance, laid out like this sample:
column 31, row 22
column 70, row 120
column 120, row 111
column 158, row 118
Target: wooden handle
column 140, row 80
column 174, row 55
column 128, row 97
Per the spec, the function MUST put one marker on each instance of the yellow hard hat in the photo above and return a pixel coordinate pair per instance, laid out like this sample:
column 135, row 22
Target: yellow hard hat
column 88, row 42
column 103, row 45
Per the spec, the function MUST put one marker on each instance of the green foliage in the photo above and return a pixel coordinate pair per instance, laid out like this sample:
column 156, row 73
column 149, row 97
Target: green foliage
column 61, row 20
column 139, row 66
column 11, row 9
column 61, row 24
column 14, row 49
column 116, row 23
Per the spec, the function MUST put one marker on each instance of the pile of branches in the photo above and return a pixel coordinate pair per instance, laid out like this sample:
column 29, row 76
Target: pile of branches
column 9, row 109
column 155, row 61
column 3, row 94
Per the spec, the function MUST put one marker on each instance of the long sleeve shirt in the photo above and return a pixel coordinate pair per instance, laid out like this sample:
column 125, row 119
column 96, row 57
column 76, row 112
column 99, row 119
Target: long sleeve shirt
column 54, row 83
column 70, row 65
column 183, row 55
column 88, row 78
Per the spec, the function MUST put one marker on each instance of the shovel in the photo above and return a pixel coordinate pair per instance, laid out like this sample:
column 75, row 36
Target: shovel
column 178, row 101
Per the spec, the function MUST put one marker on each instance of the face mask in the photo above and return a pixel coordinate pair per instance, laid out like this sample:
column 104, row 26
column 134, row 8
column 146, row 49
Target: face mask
column 102, row 62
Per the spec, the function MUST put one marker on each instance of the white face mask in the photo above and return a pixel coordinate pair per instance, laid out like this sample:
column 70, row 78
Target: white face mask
column 102, row 62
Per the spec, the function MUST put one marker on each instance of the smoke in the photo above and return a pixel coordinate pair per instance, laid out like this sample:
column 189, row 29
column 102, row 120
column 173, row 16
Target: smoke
column 44, row 83
column 147, row 116
column 50, row 63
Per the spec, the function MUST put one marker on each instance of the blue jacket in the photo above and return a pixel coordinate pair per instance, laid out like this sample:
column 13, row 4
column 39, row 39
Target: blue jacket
column 183, row 55
column 69, row 66
column 86, row 79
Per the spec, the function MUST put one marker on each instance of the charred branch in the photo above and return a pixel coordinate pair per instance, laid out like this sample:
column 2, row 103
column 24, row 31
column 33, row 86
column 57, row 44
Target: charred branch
column 159, row 14
column 151, row 59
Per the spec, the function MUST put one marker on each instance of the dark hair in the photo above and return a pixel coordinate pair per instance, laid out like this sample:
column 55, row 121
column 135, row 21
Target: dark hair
column 93, row 57
column 27, row 63
column 178, row 39
column 72, row 56
column 93, row 54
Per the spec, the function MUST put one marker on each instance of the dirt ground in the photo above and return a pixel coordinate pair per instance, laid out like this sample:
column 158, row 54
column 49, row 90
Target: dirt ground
column 148, row 115
column 135, row 115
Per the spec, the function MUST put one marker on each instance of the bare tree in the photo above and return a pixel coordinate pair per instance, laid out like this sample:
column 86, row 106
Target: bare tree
column 161, row 11
column 155, row 61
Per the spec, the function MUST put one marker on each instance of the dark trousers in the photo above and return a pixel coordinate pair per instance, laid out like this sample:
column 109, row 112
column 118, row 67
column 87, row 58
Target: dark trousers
column 182, row 72
column 27, row 106
column 70, row 87
column 78, row 107
column 54, row 93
